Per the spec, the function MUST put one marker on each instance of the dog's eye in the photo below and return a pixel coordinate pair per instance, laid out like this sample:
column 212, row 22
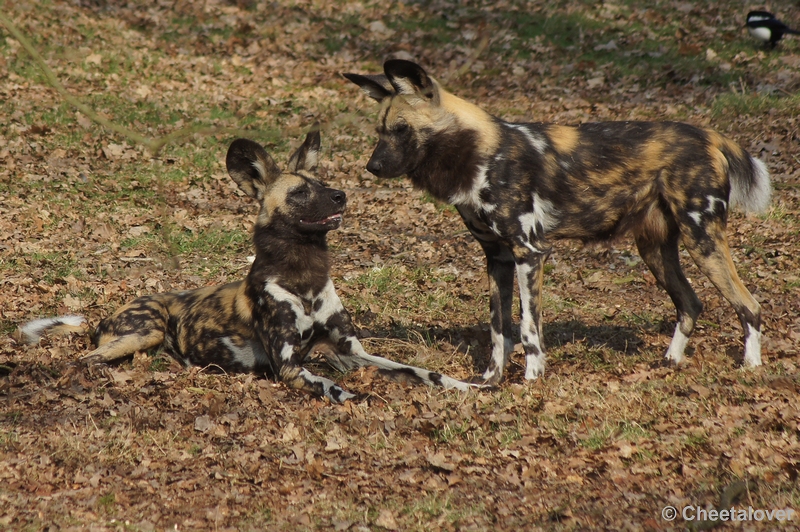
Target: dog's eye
column 400, row 127
column 299, row 193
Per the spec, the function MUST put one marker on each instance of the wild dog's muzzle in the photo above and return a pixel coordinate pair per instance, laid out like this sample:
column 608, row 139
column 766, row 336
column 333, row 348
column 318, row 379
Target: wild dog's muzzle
column 337, row 201
column 374, row 166
column 387, row 161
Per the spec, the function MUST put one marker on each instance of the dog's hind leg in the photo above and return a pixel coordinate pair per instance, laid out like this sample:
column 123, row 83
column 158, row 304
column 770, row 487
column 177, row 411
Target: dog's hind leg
column 125, row 345
column 709, row 249
column 663, row 260
column 138, row 326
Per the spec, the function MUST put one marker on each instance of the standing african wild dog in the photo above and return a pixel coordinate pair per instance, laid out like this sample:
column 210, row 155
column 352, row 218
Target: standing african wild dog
column 517, row 186
column 270, row 321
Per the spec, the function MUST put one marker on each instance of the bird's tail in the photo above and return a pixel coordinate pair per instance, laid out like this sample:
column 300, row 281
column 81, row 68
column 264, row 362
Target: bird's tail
column 32, row 331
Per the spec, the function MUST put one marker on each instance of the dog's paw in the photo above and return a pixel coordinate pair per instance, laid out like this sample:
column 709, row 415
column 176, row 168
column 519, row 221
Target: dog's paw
column 534, row 366
column 91, row 360
column 492, row 376
column 478, row 382
column 339, row 395
column 752, row 361
column 669, row 363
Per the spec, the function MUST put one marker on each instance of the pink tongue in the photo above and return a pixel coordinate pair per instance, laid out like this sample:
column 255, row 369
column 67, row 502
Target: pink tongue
column 328, row 219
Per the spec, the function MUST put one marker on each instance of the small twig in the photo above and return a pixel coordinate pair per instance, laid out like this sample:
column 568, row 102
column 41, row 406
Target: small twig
column 379, row 396
column 136, row 259
column 211, row 366
column 93, row 423
column 156, row 443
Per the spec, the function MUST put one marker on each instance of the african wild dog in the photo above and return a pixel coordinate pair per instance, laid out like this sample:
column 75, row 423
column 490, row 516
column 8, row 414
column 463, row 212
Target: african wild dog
column 270, row 321
column 517, row 186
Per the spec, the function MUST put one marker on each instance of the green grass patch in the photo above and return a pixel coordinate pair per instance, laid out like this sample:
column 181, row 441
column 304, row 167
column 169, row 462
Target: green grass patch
column 211, row 241
column 598, row 438
column 6, row 327
column 450, row 432
column 633, row 431
column 403, row 298
column 159, row 363
column 55, row 266
column 434, row 507
column 737, row 104
column 440, row 205
column 694, row 440
column 337, row 33
column 195, row 450
column 9, row 440
column 107, row 501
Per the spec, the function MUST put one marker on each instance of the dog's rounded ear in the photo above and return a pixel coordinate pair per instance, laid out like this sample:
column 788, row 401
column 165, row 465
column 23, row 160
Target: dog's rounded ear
column 251, row 167
column 376, row 87
column 306, row 156
column 410, row 79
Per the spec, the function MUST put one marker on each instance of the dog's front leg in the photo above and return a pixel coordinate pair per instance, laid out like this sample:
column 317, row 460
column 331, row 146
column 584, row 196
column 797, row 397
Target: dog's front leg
column 283, row 343
column 350, row 354
column 500, row 267
column 300, row 378
column 530, row 273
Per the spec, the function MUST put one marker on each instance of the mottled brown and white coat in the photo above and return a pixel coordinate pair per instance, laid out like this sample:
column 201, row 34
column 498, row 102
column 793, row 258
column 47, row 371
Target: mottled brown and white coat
column 517, row 186
column 269, row 322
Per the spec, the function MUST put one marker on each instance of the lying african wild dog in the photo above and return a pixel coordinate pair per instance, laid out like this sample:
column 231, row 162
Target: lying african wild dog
column 517, row 186
column 270, row 321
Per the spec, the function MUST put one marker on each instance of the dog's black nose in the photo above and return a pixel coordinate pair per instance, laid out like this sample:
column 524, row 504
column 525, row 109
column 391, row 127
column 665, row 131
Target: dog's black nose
column 374, row 167
column 338, row 197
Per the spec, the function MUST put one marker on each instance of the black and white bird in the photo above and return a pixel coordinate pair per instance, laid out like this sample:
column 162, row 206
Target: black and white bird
column 766, row 28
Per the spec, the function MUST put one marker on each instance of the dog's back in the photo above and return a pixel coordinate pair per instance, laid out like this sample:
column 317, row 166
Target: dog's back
column 599, row 180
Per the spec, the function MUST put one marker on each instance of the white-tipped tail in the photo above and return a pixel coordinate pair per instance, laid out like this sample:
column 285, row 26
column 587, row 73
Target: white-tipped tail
column 33, row 330
column 752, row 192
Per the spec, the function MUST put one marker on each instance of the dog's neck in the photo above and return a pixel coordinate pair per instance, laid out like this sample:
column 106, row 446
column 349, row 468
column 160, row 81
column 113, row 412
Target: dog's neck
column 451, row 168
column 465, row 142
column 471, row 117
column 299, row 264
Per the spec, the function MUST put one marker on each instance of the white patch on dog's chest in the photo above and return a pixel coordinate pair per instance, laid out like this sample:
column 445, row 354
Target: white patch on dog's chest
column 303, row 321
column 472, row 197
column 309, row 310
column 535, row 224
column 326, row 303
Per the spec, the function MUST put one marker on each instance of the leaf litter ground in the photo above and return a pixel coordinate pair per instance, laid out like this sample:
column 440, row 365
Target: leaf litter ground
column 90, row 220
